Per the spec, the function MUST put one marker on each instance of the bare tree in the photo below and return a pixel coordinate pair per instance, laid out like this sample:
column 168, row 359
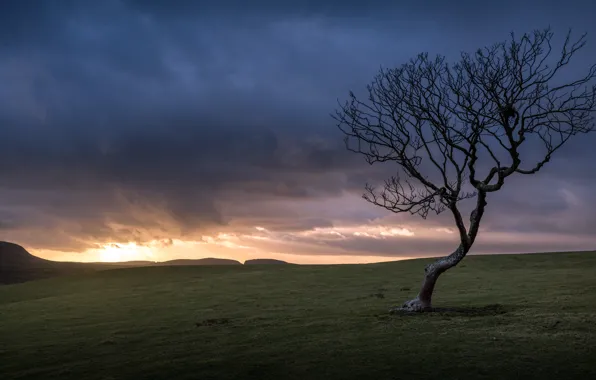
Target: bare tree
column 443, row 125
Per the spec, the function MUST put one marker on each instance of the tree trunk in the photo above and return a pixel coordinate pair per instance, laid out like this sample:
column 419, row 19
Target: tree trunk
column 423, row 302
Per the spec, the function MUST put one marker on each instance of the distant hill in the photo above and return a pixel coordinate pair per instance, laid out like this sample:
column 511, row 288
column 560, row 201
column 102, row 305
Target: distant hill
column 264, row 262
column 13, row 256
column 206, row 261
column 18, row 265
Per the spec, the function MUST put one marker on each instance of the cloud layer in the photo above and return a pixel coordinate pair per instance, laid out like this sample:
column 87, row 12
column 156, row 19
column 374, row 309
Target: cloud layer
column 145, row 121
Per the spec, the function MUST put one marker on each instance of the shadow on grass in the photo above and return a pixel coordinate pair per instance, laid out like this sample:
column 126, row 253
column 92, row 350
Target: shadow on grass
column 480, row 311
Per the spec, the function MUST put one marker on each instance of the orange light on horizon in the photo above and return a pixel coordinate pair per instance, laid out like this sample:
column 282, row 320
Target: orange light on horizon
column 116, row 252
column 260, row 244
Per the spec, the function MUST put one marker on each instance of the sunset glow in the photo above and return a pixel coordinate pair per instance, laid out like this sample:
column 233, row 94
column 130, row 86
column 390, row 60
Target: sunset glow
column 110, row 254
column 320, row 245
column 117, row 252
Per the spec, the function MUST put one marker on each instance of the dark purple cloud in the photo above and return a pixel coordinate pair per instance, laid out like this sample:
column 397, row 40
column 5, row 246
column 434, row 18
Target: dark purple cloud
column 144, row 120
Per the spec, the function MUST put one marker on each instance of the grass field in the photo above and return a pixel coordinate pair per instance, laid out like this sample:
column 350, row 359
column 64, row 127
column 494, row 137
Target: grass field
column 520, row 316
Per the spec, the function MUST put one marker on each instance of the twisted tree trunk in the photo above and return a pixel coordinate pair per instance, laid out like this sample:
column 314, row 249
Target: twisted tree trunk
column 423, row 302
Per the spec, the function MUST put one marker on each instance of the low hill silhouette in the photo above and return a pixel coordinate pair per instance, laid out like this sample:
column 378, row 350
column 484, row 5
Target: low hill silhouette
column 18, row 265
column 205, row 261
column 264, row 262
column 14, row 256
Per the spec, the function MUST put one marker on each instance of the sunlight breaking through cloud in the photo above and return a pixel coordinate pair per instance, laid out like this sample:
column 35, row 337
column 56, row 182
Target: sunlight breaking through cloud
column 444, row 230
column 114, row 252
column 224, row 239
column 376, row 232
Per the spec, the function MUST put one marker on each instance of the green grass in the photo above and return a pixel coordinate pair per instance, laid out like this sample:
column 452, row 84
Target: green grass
column 524, row 316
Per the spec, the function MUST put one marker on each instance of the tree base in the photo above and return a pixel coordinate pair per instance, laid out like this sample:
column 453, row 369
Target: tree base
column 413, row 306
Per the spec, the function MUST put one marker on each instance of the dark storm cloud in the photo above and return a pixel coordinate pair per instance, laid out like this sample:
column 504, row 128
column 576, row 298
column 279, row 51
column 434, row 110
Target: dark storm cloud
column 150, row 119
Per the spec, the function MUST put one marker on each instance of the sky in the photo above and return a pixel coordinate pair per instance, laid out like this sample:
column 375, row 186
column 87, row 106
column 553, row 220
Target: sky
column 154, row 130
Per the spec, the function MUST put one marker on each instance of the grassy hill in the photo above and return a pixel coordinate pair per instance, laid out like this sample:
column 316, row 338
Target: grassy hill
column 520, row 316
